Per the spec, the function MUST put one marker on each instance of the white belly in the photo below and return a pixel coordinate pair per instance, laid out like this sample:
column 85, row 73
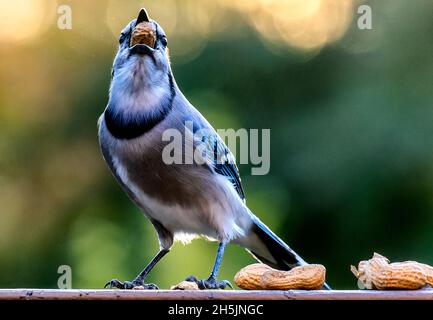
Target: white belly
column 218, row 222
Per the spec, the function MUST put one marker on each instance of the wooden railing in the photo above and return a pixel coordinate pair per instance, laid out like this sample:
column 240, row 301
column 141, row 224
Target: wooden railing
column 81, row 294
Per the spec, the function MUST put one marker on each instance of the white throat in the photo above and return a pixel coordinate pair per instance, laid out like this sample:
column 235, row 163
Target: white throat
column 138, row 87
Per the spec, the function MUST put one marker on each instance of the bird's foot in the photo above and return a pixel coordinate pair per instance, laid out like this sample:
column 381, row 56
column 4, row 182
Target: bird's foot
column 210, row 283
column 128, row 285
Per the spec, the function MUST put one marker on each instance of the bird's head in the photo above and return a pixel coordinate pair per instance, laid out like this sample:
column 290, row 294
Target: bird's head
column 142, row 64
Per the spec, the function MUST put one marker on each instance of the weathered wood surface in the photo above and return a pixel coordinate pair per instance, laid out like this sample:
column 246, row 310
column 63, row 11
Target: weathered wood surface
column 77, row 294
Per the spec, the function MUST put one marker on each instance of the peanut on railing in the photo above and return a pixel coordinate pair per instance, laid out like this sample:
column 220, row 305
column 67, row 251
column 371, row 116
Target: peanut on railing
column 262, row 277
column 379, row 273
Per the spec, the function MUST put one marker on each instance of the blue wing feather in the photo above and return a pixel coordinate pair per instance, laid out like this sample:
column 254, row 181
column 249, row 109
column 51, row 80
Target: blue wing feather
column 224, row 163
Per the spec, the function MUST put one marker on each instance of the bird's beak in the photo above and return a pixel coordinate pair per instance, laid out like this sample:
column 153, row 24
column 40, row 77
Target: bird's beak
column 142, row 16
column 143, row 36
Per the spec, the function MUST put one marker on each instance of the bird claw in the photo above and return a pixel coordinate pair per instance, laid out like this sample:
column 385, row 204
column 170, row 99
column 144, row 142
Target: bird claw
column 210, row 283
column 227, row 284
column 128, row 285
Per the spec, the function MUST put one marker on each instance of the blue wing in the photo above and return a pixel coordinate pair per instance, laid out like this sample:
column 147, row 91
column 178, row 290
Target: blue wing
column 223, row 162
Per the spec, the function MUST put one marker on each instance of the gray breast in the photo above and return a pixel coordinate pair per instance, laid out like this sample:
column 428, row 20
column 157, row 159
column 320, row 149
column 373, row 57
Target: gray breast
column 187, row 185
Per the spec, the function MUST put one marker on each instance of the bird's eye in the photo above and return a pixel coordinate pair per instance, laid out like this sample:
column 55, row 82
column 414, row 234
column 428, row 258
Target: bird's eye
column 122, row 37
column 164, row 41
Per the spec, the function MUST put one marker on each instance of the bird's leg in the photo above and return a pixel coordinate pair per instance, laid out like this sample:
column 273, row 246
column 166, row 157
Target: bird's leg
column 211, row 282
column 139, row 280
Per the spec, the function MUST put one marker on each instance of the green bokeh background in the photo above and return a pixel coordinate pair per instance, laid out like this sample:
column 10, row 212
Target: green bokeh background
column 351, row 142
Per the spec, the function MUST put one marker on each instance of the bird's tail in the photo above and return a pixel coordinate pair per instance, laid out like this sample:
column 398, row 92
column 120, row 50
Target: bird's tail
column 268, row 248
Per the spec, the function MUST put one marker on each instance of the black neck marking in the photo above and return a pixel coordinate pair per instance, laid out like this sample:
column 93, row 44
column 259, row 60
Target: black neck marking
column 127, row 128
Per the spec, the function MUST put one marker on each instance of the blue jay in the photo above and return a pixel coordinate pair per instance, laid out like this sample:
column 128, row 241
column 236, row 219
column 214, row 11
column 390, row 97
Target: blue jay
column 180, row 200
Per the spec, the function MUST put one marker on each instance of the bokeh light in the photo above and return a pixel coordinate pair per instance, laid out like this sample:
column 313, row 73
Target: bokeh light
column 22, row 20
column 301, row 24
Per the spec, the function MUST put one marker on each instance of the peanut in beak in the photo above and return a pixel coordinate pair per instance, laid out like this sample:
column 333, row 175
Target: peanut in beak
column 144, row 33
